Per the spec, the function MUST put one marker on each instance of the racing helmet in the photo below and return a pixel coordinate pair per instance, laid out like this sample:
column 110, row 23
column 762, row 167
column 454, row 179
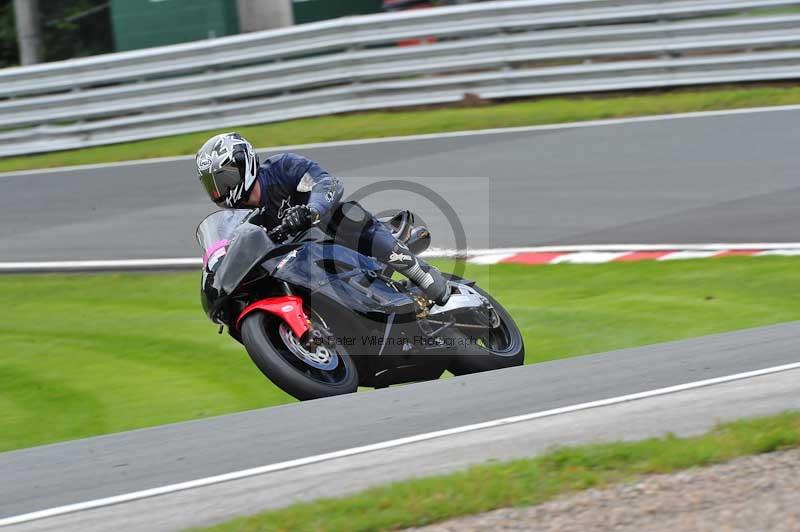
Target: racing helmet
column 227, row 166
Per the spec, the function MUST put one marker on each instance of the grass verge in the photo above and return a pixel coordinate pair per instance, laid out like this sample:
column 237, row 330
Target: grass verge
column 434, row 120
column 82, row 355
column 525, row 482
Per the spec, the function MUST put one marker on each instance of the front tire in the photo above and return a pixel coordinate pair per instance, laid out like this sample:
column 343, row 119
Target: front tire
column 502, row 348
column 276, row 354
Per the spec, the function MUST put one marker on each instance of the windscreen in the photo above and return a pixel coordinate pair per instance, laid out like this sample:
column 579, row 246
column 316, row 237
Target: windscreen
column 215, row 232
column 248, row 245
column 227, row 234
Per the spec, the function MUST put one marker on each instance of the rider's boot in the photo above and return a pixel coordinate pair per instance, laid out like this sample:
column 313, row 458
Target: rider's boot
column 419, row 272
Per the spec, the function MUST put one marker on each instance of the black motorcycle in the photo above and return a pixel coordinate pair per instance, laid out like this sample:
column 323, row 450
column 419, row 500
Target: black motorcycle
column 320, row 319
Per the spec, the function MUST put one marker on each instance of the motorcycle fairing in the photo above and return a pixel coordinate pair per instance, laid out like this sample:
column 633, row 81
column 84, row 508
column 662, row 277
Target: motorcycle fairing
column 287, row 308
column 248, row 246
column 341, row 275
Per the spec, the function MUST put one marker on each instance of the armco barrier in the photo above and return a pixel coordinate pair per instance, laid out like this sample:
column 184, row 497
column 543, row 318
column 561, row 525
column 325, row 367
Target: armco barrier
column 491, row 50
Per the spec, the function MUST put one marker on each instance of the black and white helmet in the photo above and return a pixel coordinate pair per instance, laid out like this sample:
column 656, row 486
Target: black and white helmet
column 227, row 166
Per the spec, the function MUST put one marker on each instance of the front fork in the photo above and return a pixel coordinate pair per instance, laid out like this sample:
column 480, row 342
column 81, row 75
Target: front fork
column 316, row 335
column 289, row 308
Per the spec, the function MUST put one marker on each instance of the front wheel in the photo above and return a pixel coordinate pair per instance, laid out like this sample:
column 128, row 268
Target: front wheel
column 501, row 347
column 304, row 374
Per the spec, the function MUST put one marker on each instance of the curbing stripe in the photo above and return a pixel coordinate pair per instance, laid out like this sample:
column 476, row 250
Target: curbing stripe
column 532, row 258
column 588, row 257
column 604, row 254
column 635, row 256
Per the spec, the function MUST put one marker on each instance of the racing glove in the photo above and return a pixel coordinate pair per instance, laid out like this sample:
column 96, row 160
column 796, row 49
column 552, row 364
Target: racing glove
column 300, row 218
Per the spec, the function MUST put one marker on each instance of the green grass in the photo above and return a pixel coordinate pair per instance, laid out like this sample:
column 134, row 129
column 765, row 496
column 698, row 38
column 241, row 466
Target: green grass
column 525, row 482
column 82, row 355
column 435, row 120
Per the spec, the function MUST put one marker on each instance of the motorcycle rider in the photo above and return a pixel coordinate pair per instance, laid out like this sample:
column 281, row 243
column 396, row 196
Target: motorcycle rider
column 296, row 192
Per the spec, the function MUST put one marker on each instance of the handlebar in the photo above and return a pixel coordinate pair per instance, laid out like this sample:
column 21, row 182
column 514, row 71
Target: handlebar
column 279, row 234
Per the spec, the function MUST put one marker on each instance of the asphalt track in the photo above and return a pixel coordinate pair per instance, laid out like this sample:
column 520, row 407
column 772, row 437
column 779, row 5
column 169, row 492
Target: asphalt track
column 73, row 472
column 718, row 178
column 643, row 418
column 728, row 178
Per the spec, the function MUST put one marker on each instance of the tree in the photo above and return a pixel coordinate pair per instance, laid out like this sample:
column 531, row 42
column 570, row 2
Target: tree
column 9, row 53
column 70, row 28
column 75, row 28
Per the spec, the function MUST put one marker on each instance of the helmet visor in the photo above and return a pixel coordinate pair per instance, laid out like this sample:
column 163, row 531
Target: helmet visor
column 211, row 187
column 221, row 184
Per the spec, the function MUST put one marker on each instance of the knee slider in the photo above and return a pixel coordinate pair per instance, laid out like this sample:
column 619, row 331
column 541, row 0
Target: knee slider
column 353, row 213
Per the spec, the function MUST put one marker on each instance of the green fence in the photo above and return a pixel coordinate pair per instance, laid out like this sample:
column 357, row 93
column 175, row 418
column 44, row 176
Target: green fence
column 313, row 10
column 145, row 23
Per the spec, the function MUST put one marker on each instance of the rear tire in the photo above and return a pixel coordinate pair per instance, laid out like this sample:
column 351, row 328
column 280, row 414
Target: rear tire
column 267, row 349
column 511, row 353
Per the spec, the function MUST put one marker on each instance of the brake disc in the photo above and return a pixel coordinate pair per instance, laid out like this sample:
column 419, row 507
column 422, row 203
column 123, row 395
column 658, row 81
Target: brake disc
column 322, row 357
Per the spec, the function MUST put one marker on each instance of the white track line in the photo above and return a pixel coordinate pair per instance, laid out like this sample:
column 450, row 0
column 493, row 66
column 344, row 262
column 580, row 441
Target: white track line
column 479, row 256
column 99, row 265
column 182, row 486
column 786, row 251
column 691, row 254
column 439, row 252
column 429, row 136
column 482, row 258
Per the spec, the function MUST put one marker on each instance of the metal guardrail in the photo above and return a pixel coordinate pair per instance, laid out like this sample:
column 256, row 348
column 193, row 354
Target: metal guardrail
column 492, row 50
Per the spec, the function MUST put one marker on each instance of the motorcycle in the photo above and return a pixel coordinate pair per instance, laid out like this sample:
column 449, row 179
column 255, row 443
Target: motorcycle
column 320, row 319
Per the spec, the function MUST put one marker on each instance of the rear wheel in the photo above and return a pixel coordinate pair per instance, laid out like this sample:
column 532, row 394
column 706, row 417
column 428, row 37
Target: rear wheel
column 306, row 374
column 500, row 347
